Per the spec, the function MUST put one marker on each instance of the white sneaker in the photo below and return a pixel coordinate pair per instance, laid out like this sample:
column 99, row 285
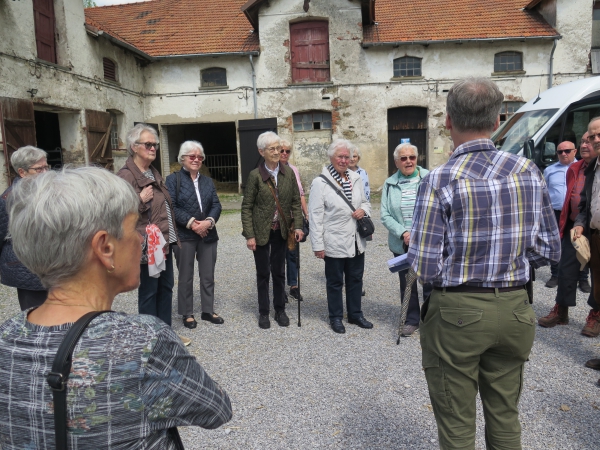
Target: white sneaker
column 186, row 341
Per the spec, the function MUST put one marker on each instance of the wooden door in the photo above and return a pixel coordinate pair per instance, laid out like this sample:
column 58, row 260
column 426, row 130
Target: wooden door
column 99, row 124
column 17, row 122
column 249, row 130
column 407, row 123
column 43, row 16
column 310, row 52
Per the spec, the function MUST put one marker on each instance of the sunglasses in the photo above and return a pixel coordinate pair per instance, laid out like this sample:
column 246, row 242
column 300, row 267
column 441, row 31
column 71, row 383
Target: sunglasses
column 194, row 157
column 285, row 151
column 149, row 145
column 411, row 157
column 567, row 151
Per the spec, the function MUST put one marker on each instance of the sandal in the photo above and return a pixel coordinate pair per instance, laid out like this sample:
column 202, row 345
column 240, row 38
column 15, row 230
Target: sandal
column 189, row 323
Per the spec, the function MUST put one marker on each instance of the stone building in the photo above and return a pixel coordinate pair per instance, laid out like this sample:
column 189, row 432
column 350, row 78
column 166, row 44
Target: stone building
column 222, row 71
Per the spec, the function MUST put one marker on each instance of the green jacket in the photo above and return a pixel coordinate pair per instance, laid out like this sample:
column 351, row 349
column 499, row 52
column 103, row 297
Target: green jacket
column 258, row 206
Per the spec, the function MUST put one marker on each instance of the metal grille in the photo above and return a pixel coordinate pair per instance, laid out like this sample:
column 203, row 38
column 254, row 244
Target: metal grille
column 407, row 66
column 223, row 168
column 508, row 61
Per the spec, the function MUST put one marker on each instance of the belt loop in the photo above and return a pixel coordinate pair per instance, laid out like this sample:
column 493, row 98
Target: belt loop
column 443, row 291
column 496, row 292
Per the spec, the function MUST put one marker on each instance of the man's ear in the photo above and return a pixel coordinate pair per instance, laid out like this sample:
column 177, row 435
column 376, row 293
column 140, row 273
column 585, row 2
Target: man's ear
column 448, row 122
column 497, row 124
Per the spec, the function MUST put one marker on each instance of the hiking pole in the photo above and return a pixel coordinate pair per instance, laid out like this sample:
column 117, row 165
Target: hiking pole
column 411, row 277
column 298, row 267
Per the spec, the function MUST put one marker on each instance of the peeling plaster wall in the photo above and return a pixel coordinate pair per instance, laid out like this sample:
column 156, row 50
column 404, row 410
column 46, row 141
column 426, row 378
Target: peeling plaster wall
column 574, row 23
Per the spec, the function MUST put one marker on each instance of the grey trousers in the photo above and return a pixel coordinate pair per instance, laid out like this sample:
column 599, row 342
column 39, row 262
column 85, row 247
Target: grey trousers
column 206, row 255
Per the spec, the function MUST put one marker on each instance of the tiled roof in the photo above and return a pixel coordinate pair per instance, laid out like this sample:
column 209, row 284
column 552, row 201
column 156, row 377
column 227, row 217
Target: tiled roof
column 177, row 27
column 444, row 20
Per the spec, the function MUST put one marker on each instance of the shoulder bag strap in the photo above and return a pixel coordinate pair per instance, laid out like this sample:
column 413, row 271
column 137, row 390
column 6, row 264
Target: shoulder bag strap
column 59, row 376
column 339, row 192
column 272, row 188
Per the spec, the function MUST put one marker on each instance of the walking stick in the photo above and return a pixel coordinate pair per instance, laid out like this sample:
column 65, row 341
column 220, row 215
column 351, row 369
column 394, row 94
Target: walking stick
column 299, row 294
column 411, row 276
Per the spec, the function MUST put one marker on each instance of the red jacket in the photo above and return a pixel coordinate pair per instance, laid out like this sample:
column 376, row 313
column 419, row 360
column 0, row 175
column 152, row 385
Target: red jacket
column 572, row 174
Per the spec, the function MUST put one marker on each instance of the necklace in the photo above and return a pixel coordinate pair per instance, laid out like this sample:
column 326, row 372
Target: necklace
column 62, row 304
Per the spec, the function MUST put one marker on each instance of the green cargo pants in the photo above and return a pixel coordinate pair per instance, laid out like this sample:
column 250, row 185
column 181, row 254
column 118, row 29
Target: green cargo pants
column 474, row 342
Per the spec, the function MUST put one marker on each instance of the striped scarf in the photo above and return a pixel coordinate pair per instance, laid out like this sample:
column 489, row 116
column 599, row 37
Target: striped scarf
column 346, row 185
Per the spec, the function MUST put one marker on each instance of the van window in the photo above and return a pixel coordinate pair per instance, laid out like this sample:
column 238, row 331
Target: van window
column 519, row 128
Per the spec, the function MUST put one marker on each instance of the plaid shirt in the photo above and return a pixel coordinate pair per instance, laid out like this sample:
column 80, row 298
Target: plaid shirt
column 482, row 218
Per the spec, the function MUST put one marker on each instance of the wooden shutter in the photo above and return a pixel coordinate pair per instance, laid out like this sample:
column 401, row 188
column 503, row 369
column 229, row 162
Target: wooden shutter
column 99, row 124
column 310, row 52
column 110, row 69
column 43, row 15
column 17, row 123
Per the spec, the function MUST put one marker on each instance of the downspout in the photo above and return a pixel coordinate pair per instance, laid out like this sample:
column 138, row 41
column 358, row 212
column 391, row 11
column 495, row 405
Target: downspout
column 550, row 74
column 254, row 88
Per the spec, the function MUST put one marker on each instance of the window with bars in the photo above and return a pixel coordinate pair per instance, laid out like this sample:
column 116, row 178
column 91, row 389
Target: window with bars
column 508, row 62
column 110, row 69
column 508, row 109
column 214, row 77
column 407, row 66
column 312, row 120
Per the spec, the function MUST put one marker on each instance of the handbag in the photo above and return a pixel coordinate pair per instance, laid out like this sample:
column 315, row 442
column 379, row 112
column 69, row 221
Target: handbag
column 305, row 229
column 58, row 377
column 291, row 237
column 364, row 226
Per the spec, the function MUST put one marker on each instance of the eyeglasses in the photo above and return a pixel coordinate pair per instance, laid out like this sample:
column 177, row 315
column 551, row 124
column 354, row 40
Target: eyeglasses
column 149, row 145
column 411, row 157
column 593, row 137
column 343, row 158
column 274, row 149
column 287, row 152
column 40, row 169
column 195, row 157
column 567, row 151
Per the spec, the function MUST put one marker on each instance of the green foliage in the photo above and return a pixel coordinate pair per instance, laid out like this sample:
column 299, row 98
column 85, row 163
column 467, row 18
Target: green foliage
column 89, row 4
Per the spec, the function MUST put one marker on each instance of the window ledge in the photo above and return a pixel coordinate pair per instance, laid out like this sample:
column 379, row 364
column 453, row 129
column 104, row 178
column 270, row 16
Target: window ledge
column 48, row 63
column 407, row 78
column 320, row 83
column 510, row 73
column 313, row 131
column 113, row 82
column 213, row 88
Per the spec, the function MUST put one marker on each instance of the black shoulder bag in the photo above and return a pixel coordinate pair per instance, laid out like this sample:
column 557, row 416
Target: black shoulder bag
column 364, row 226
column 58, row 377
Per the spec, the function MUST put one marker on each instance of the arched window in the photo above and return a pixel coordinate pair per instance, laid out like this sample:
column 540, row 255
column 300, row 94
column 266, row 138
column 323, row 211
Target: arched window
column 508, row 62
column 312, row 120
column 214, row 77
column 110, row 69
column 407, row 66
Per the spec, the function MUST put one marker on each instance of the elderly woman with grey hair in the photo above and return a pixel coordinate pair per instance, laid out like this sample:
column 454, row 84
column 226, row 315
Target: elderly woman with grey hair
column 334, row 236
column 155, row 295
column 132, row 379
column 269, row 188
column 397, row 205
column 197, row 210
column 27, row 161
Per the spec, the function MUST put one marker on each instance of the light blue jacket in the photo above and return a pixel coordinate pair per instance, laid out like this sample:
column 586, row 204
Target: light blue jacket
column 391, row 212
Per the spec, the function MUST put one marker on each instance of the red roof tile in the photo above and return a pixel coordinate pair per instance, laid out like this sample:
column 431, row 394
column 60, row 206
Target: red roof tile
column 440, row 20
column 178, row 27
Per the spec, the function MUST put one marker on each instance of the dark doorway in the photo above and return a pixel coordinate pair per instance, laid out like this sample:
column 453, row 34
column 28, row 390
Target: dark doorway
column 220, row 149
column 249, row 131
column 407, row 123
column 47, row 133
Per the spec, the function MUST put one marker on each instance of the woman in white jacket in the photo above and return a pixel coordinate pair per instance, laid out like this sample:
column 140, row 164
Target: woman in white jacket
column 334, row 236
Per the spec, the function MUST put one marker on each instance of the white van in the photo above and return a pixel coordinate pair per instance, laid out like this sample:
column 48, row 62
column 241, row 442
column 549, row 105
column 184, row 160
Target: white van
column 556, row 115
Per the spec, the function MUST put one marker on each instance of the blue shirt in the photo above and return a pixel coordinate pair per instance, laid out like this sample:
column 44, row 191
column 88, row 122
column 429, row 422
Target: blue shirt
column 556, row 178
column 482, row 218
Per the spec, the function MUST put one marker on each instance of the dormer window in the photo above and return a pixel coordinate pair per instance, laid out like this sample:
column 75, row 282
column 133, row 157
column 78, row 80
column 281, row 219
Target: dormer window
column 214, row 77
column 110, row 69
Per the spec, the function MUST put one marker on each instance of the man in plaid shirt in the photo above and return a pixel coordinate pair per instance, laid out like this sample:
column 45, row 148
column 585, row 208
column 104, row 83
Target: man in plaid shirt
column 480, row 221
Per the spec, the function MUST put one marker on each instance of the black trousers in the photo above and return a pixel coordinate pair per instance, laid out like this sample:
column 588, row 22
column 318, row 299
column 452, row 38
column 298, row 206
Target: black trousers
column 413, row 312
column 554, row 267
column 569, row 274
column 269, row 259
column 31, row 299
column 352, row 269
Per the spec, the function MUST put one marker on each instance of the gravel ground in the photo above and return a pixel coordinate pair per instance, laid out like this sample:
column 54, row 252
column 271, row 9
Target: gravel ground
column 311, row 388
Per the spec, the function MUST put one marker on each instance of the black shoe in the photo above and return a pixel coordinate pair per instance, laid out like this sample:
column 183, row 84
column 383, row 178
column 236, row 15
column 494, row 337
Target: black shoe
column 593, row 364
column 361, row 322
column 338, row 326
column 212, row 318
column 264, row 322
column 363, row 293
column 584, row 286
column 295, row 292
column 552, row 282
column 282, row 319
column 191, row 324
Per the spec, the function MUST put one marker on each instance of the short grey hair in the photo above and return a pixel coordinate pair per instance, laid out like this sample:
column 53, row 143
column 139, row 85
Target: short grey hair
column 474, row 105
column 52, row 218
column 337, row 144
column 134, row 134
column 355, row 151
column 188, row 147
column 25, row 157
column 266, row 139
column 405, row 146
column 285, row 143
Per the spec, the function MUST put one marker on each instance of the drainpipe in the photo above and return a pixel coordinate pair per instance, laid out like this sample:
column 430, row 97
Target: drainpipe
column 550, row 74
column 254, row 87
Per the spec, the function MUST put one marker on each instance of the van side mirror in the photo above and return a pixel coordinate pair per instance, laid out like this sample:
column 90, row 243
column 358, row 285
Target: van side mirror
column 528, row 149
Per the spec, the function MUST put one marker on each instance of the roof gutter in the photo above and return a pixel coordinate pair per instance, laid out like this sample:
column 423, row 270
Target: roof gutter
column 459, row 41
column 95, row 32
column 196, row 55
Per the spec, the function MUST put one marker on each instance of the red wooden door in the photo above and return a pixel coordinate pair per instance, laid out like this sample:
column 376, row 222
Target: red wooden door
column 310, row 51
column 43, row 14
column 99, row 124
